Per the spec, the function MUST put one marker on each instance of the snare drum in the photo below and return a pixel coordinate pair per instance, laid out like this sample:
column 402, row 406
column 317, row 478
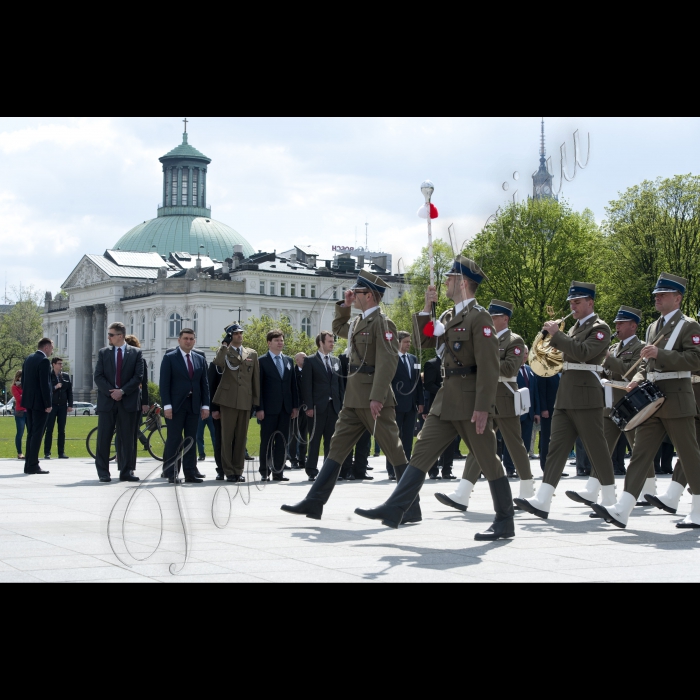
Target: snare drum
column 638, row 407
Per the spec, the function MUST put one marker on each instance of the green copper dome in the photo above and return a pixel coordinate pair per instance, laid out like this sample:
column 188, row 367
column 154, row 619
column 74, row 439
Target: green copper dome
column 184, row 234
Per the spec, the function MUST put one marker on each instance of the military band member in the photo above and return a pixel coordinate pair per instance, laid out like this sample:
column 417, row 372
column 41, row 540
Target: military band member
column 512, row 354
column 670, row 359
column 580, row 401
column 373, row 349
column 466, row 404
column 238, row 392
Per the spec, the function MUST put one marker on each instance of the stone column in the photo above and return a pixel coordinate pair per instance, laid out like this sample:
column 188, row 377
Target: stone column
column 88, row 368
column 115, row 314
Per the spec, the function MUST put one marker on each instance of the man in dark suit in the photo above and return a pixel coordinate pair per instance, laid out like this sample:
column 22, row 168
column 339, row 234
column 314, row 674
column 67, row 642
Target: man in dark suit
column 62, row 399
column 408, row 390
column 526, row 379
column 299, row 447
column 37, row 400
column 118, row 377
column 279, row 405
column 548, row 389
column 184, row 390
column 322, row 393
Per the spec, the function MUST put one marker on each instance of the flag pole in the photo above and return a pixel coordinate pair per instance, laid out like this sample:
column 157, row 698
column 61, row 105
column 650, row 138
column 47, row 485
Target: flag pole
column 427, row 188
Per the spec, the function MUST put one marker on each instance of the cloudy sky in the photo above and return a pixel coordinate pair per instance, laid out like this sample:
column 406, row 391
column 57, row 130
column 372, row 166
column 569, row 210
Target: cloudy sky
column 75, row 185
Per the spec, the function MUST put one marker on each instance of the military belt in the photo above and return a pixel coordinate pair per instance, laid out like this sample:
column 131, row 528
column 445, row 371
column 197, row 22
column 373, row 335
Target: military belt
column 365, row 369
column 666, row 376
column 460, row 371
column 568, row 366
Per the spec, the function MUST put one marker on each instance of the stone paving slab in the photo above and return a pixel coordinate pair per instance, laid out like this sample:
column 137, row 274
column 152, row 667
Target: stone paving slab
column 57, row 528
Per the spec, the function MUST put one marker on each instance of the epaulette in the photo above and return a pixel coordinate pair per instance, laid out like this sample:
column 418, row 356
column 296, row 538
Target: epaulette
column 478, row 307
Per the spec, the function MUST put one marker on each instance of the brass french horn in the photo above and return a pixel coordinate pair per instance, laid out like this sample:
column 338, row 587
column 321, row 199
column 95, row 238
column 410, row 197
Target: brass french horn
column 546, row 361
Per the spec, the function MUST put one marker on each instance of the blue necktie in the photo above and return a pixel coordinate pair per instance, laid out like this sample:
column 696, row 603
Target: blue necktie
column 280, row 366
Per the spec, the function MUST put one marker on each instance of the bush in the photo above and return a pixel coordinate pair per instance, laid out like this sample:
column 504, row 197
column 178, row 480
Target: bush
column 154, row 393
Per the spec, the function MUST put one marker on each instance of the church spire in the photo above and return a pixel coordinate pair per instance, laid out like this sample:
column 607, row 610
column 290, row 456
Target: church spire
column 543, row 149
column 543, row 182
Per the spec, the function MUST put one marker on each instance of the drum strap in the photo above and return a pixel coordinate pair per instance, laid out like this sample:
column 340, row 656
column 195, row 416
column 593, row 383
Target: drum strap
column 676, row 334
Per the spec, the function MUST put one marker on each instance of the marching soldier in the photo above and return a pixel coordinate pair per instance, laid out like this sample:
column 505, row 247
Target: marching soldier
column 669, row 363
column 580, row 402
column 238, row 392
column 373, row 349
column 512, row 355
column 466, row 339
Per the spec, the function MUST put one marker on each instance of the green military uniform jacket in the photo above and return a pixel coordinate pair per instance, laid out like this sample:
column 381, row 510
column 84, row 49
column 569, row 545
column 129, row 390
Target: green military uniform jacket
column 588, row 345
column 684, row 357
column 512, row 355
column 619, row 363
column 374, row 343
column 239, row 387
column 469, row 341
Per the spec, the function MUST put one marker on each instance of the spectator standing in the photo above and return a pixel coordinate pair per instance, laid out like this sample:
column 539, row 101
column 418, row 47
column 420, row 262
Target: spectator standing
column 323, row 392
column 20, row 414
column 433, row 384
column 279, row 405
column 548, row 390
column 118, row 377
column 184, row 390
column 134, row 342
column 62, row 402
column 37, row 401
column 408, row 390
column 201, row 429
column 298, row 448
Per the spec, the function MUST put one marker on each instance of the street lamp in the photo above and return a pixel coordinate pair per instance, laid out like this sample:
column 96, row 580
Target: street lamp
column 240, row 311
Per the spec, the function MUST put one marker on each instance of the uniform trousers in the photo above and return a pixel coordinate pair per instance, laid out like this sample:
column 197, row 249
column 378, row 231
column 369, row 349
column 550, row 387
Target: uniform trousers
column 648, row 440
column 679, row 472
column 437, row 434
column 59, row 415
column 511, row 430
column 353, row 422
column 323, row 427
column 612, row 437
column 567, row 425
column 234, row 437
column 406, row 423
column 274, row 439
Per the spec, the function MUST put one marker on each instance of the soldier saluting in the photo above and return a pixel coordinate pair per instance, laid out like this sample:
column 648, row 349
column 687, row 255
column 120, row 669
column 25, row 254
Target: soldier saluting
column 465, row 405
column 373, row 349
column 238, row 392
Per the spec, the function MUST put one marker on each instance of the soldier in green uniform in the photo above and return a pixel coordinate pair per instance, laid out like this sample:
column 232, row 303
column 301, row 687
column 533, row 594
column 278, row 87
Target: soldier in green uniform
column 238, row 392
column 466, row 340
column 373, row 349
column 580, row 402
column 670, row 359
column 512, row 355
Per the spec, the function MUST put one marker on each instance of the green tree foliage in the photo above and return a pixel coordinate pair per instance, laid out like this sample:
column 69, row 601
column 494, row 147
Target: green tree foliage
column 256, row 330
column 654, row 228
column 20, row 331
column 531, row 252
column 154, row 393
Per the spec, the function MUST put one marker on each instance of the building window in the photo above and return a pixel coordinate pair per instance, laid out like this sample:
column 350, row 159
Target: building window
column 175, row 326
column 151, row 369
column 195, row 189
column 155, row 327
column 306, row 326
column 303, row 291
column 173, row 197
column 185, row 186
column 143, row 328
column 57, row 338
column 293, row 292
column 283, row 289
column 262, row 288
column 195, row 323
column 273, row 289
column 131, row 326
column 313, row 291
column 335, row 293
column 65, row 337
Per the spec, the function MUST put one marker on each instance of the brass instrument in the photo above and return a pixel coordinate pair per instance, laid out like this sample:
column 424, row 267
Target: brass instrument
column 546, row 361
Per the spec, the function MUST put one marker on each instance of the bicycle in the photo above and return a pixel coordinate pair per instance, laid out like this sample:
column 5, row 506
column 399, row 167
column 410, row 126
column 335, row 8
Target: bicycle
column 152, row 436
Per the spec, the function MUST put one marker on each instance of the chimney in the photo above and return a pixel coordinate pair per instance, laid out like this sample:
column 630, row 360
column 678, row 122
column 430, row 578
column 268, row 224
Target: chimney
column 360, row 262
column 237, row 250
column 293, row 258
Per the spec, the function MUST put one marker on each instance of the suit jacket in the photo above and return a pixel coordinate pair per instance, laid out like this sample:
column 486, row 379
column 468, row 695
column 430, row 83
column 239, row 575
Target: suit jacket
column 132, row 378
column 534, row 391
column 548, row 388
column 277, row 394
column 36, row 383
column 64, row 395
column 145, row 394
column 407, row 386
column 317, row 390
column 176, row 385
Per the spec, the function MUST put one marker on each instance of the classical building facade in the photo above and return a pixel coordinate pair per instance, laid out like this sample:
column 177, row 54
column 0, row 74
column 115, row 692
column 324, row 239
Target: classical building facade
column 183, row 269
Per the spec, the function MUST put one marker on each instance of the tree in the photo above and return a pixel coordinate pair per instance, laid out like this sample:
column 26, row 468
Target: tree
column 531, row 252
column 256, row 330
column 652, row 228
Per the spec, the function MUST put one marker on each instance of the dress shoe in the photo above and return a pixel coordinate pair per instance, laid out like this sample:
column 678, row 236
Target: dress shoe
column 350, row 477
column 172, row 480
column 283, row 480
column 312, row 505
column 248, row 458
column 370, row 469
column 366, row 478
column 130, row 479
column 392, row 478
column 449, row 477
column 312, row 479
column 64, row 457
column 193, row 480
column 235, row 479
column 264, row 480
column 105, row 480
column 619, row 514
column 220, row 477
column 402, row 506
column 200, row 476
column 541, row 505
column 621, row 472
column 202, row 458
column 512, row 475
column 38, row 472
column 48, row 457
column 669, row 501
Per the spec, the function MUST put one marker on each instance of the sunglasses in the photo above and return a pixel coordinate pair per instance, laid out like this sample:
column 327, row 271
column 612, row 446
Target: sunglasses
column 114, row 335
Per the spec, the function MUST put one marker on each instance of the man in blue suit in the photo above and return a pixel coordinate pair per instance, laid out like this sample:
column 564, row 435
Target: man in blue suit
column 526, row 379
column 184, row 390
column 547, row 389
column 279, row 405
column 408, row 390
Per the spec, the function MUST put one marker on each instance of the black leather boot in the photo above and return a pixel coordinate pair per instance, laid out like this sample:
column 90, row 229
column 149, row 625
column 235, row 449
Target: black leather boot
column 395, row 510
column 503, row 527
column 312, row 505
column 414, row 514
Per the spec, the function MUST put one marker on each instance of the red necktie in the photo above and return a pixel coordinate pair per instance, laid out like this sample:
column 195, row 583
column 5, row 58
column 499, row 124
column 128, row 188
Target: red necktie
column 119, row 368
column 527, row 379
column 190, row 367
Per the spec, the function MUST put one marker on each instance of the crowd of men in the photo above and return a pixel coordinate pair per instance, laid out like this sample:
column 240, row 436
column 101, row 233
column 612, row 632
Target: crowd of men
column 478, row 389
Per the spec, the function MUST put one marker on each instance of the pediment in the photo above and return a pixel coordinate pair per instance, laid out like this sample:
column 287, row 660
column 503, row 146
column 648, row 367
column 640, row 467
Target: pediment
column 85, row 275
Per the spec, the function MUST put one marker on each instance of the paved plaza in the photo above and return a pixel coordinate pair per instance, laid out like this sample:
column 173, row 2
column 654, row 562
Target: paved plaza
column 66, row 527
